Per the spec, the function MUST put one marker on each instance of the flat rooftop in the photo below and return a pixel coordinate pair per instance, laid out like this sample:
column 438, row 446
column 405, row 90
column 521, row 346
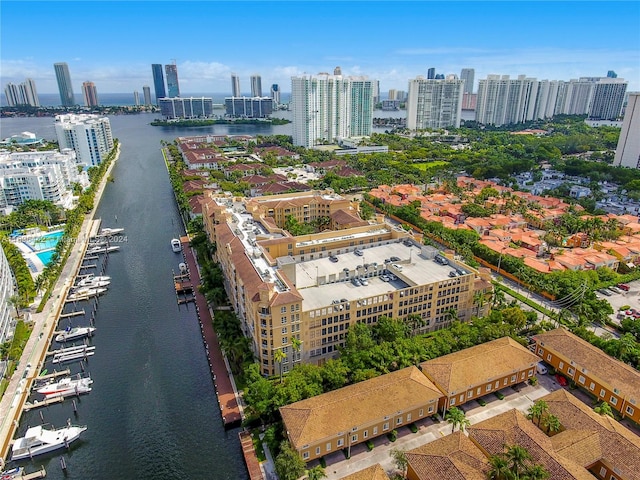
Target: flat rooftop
column 321, row 281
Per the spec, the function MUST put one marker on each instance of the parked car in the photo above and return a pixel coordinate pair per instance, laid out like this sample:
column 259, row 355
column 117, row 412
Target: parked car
column 384, row 278
column 541, row 369
column 364, row 281
column 561, row 380
column 333, row 258
column 356, row 282
column 397, row 267
column 395, row 259
column 623, row 286
column 358, row 252
column 604, row 292
column 615, row 289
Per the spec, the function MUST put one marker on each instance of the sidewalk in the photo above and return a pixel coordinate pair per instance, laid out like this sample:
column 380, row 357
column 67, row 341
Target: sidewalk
column 338, row 467
column 44, row 325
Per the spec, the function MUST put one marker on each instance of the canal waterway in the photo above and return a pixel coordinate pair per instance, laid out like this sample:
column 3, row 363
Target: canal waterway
column 153, row 413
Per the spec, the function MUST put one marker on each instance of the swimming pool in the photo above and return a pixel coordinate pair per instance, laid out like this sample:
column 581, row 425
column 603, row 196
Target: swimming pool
column 45, row 256
column 47, row 241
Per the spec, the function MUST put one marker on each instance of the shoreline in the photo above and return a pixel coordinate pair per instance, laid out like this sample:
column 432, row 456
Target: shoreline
column 44, row 326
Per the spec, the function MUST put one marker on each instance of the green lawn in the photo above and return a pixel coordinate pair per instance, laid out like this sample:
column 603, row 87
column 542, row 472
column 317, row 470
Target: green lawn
column 428, row 165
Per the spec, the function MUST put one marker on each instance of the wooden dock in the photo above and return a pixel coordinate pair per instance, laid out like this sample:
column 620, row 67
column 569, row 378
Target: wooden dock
column 72, row 314
column 53, row 375
column 42, row 403
column 31, row 476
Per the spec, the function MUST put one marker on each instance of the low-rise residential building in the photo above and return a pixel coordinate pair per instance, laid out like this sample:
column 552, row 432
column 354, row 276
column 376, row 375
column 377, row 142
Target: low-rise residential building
column 610, row 380
column 474, row 372
column 351, row 415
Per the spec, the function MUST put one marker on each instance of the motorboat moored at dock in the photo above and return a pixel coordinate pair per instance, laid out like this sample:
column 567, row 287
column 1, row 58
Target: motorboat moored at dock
column 83, row 293
column 66, row 386
column 92, row 280
column 106, row 232
column 176, row 246
column 72, row 356
column 74, row 333
column 39, row 440
column 105, row 249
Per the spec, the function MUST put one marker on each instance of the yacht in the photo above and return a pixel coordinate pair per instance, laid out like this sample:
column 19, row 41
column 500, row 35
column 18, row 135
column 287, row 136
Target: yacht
column 73, row 356
column 106, row 232
column 14, row 473
column 74, row 333
column 105, row 249
column 84, row 293
column 39, row 440
column 66, row 387
column 175, row 245
column 94, row 281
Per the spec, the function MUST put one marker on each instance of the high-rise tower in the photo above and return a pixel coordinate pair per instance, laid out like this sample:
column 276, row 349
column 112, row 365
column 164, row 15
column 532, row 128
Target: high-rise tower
column 146, row 91
column 235, row 85
column 90, row 94
column 64, row 84
column 431, row 73
column 158, row 81
column 173, row 88
column 434, row 103
column 608, row 97
column 275, row 93
column 468, row 75
column 628, row 151
column 256, row 85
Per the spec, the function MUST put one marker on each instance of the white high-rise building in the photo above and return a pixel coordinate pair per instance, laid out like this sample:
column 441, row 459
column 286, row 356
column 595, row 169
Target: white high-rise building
column 608, row 97
column 275, row 94
column 88, row 135
column 22, row 94
column 146, row 91
column 468, row 75
column 256, row 85
column 502, row 100
column 577, row 97
column 628, row 150
column 7, row 290
column 235, row 85
column 30, row 92
column 434, row 103
column 327, row 107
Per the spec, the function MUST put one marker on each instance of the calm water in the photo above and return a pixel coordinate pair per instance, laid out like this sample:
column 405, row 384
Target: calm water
column 152, row 413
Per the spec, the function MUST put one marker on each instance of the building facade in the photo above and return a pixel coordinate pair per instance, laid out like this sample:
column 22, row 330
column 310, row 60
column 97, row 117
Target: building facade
column 7, row 290
column 22, row 94
column 468, row 75
column 256, row 85
column 275, row 94
column 608, row 97
column 628, row 149
column 158, row 82
column 192, row 107
column 608, row 379
column 248, row 107
column 88, row 135
column 434, row 103
column 235, row 85
column 173, row 87
column 90, row 94
column 503, row 101
column 64, row 84
column 327, row 107
column 146, row 92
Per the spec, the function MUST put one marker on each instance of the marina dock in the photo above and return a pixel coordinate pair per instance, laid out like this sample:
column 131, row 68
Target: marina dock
column 229, row 406
column 72, row 314
column 53, row 375
column 42, row 403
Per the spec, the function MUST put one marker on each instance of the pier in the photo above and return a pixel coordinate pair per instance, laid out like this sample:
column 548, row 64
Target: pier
column 72, row 314
column 42, row 403
column 229, row 405
column 53, row 375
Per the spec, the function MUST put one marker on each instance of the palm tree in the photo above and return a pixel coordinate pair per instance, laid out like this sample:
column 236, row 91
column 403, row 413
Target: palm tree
column 537, row 410
column 15, row 301
column 517, row 457
column 400, row 459
column 279, row 357
column 552, row 424
column 316, row 473
column 499, row 468
column 604, row 409
column 537, row 472
column 456, row 418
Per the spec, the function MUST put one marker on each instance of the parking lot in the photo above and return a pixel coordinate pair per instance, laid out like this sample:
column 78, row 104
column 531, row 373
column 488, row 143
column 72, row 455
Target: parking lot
column 617, row 300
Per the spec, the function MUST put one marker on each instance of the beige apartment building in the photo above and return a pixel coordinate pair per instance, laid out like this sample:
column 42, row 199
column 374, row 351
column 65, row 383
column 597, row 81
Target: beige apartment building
column 301, row 294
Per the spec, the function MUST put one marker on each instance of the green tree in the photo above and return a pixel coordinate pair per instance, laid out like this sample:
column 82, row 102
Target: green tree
column 517, row 457
column 279, row 357
column 551, row 424
column 537, row 410
column 316, row 473
column 604, row 409
column 456, row 418
column 400, row 459
column 289, row 465
column 536, row 472
column 499, row 468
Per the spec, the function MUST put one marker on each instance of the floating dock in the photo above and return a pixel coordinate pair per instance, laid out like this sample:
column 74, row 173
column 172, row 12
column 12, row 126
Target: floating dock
column 72, row 314
column 53, row 375
column 42, row 403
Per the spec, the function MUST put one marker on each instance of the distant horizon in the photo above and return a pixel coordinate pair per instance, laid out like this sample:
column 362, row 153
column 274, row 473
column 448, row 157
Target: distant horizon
column 391, row 42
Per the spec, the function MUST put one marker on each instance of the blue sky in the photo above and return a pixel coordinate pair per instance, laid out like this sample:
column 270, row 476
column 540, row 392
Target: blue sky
column 114, row 43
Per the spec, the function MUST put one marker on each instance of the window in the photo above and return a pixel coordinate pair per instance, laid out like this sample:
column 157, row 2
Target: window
column 506, row 380
column 581, row 379
column 385, row 426
column 375, row 431
column 305, row 455
column 513, row 378
column 365, row 434
column 592, row 386
column 421, row 412
column 430, row 409
column 602, row 392
column 614, row 400
column 398, row 420
column 354, row 438
column 328, row 447
column 571, row 371
column 408, row 417
column 561, row 365
column 489, row 388
column 549, row 358
column 317, row 450
column 629, row 410
column 284, row 340
column 452, row 401
column 603, row 471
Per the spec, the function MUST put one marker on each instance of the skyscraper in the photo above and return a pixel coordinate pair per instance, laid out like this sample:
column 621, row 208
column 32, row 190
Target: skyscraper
column 136, row 98
column 628, row 150
column 503, row 101
column 256, row 85
column 275, row 93
column 158, row 81
column 434, row 103
column 173, row 88
column 327, row 107
column 468, row 75
column 64, row 84
column 608, row 97
column 337, row 71
column 431, row 73
column 12, row 92
column 612, row 74
column 90, row 94
column 88, row 135
column 235, row 85
column 146, row 91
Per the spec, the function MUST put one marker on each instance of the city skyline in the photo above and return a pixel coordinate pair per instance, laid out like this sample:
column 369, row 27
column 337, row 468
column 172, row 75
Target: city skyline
column 523, row 38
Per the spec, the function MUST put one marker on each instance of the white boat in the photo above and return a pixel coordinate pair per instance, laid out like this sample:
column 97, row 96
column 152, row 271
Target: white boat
column 182, row 267
column 74, row 333
column 66, row 387
column 39, row 440
column 14, row 473
column 83, row 293
column 92, row 281
column 105, row 249
column 175, row 245
column 106, row 232
column 72, row 356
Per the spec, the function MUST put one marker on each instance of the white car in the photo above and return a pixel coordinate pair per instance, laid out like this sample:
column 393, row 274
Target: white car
column 541, row 369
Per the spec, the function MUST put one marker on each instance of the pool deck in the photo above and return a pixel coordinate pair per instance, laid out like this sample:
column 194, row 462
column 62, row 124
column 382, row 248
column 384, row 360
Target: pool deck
column 30, row 253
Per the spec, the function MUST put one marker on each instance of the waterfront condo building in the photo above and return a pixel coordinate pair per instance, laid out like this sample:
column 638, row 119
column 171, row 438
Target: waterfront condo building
column 173, row 87
column 468, row 75
column 90, row 94
column 301, row 294
column 7, row 290
column 191, row 107
column 235, row 85
column 628, row 150
column 256, row 85
column 434, row 103
column 327, row 107
column 146, row 92
column 158, row 81
column 88, row 135
column 64, row 84
column 23, row 94
column 275, row 94
column 502, row 100
column 608, row 97
column 248, row 107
